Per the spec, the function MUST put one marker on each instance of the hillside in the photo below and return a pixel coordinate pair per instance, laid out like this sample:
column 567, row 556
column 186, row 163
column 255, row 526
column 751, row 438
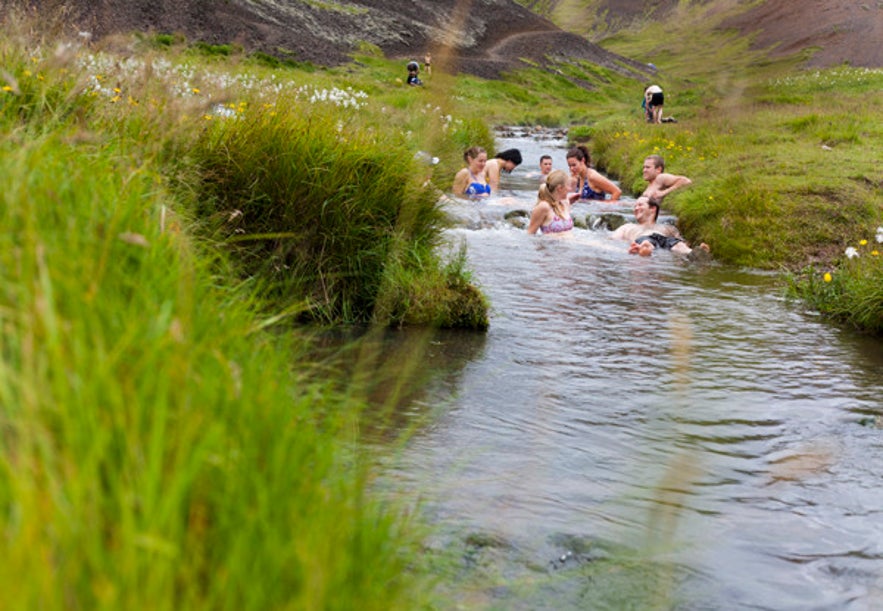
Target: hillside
column 484, row 38
column 837, row 31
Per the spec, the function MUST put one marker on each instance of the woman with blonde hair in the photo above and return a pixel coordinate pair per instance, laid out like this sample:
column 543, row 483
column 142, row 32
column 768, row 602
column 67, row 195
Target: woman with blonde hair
column 551, row 214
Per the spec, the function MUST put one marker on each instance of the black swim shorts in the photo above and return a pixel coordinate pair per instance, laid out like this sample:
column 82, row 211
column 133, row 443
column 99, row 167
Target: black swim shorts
column 659, row 241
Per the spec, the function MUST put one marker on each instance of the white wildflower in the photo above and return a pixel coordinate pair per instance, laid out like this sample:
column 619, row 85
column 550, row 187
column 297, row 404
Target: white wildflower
column 851, row 253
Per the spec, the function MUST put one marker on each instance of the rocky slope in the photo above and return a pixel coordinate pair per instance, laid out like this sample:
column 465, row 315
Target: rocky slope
column 481, row 37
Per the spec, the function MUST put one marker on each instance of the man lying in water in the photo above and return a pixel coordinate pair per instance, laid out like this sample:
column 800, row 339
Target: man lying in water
column 647, row 234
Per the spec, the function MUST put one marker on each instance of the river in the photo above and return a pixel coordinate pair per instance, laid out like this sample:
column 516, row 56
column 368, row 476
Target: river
column 643, row 432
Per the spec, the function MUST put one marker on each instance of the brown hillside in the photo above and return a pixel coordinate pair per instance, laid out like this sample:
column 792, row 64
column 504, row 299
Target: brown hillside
column 481, row 37
column 843, row 31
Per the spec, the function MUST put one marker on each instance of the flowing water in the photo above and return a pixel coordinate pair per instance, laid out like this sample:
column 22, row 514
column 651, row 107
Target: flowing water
column 644, row 433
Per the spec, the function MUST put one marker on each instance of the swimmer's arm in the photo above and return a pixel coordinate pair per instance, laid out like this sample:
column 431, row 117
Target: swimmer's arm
column 537, row 216
column 461, row 181
column 673, row 182
column 606, row 185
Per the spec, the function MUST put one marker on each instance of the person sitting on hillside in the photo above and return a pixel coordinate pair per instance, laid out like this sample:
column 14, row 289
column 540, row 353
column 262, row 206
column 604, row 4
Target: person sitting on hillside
column 588, row 182
column 413, row 70
column 646, row 109
column 647, row 234
column 655, row 99
column 504, row 161
column 470, row 181
column 551, row 214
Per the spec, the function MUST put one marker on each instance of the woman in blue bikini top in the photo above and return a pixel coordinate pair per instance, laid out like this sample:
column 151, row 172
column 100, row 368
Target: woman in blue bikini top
column 551, row 214
column 590, row 184
column 470, row 181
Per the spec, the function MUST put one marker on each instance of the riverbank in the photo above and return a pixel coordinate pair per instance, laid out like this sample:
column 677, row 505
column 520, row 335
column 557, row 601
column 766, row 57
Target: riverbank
column 169, row 441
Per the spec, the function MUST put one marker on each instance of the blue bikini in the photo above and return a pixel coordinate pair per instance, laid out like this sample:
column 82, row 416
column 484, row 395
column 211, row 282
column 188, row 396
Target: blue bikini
column 476, row 188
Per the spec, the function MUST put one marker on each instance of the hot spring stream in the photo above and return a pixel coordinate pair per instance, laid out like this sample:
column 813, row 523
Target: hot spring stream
column 643, row 433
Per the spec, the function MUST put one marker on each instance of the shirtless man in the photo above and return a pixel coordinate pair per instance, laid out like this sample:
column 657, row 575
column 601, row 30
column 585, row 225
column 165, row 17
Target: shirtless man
column 660, row 182
column 545, row 166
column 646, row 234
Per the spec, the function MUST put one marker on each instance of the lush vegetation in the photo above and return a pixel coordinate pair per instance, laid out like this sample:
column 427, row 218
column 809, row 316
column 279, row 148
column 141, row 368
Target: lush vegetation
column 166, row 441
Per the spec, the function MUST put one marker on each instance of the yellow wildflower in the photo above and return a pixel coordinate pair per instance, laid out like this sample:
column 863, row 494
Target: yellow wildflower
column 863, row 242
column 195, row 90
column 7, row 88
column 875, row 253
column 827, row 277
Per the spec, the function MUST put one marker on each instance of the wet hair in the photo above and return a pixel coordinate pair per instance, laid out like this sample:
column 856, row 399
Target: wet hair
column 653, row 203
column 544, row 157
column 658, row 161
column 472, row 152
column 413, row 66
column 580, row 152
column 555, row 179
column 513, row 155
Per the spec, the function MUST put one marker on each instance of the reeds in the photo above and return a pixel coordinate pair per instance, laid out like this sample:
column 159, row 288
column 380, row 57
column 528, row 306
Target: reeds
column 158, row 449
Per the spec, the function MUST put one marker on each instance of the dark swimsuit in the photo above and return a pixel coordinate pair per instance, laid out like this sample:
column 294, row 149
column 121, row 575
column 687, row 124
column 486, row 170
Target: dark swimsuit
column 589, row 193
column 659, row 241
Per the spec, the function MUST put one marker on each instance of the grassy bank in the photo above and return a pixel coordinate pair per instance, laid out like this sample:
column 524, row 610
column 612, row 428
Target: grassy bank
column 164, row 445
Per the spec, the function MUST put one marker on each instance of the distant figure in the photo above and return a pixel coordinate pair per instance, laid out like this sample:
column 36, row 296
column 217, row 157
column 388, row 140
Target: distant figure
column 470, row 181
column 551, row 214
column 545, row 166
column 655, row 99
column 646, row 111
column 660, row 183
column 647, row 234
column 427, row 63
column 504, row 161
column 413, row 69
column 588, row 182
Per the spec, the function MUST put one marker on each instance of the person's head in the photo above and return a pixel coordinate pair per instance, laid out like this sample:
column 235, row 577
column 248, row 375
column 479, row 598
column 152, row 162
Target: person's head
column 545, row 164
column 578, row 159
column 475, row 157
column 654, row 165
column 413, row 66
column 510, row 159
column 646, row 209
column 554, row 189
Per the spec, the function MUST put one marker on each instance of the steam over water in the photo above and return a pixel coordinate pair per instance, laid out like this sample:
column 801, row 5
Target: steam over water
column 646, row 431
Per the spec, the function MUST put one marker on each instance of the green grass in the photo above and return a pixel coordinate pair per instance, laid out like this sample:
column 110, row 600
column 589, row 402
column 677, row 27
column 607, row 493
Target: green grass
column 166, row 441
column 159, row 451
